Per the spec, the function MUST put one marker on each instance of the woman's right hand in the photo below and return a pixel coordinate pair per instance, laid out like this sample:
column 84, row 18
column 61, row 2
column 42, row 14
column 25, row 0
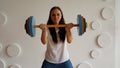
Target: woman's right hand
column 43, row 27
column 43, row 35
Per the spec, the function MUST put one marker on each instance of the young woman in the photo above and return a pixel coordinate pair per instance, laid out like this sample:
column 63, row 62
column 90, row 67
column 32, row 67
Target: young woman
column 56, row 39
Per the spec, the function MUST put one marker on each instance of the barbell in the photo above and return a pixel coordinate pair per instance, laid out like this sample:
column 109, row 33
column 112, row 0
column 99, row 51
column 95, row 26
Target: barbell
column 30, row 25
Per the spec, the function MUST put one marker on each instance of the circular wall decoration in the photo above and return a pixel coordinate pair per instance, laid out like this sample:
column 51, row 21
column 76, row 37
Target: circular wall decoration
column 13, row 50
column 2, row 64
column 104, row 40
column 84, row 65
column 96, row 25
column 107, row 13
column 95, row 53
column 14, row 66
column 0, row 47
column 3, row 19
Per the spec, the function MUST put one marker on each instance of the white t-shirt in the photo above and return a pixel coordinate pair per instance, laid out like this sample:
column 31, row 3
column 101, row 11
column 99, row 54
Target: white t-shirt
column 56, row 53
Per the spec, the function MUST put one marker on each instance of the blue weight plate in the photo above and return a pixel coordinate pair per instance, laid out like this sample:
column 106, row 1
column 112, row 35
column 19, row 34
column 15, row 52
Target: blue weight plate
column 85, row 25
column 31, row 26
column 79, row 17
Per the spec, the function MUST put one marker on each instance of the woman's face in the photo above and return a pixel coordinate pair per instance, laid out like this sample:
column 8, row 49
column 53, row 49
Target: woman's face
column 56, row 16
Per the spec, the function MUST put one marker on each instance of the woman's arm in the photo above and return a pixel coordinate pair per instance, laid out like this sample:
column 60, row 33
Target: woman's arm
column 43, row 35
column 68, row 32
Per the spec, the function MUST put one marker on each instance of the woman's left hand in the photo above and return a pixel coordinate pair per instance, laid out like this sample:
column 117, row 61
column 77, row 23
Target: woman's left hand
column 69, row 26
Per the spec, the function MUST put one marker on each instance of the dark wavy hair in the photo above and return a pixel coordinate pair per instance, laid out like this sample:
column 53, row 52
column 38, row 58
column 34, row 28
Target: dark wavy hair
column 62, row 31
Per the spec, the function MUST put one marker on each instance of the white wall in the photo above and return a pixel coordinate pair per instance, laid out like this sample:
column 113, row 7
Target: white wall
column 117, row 34
column 19, row 49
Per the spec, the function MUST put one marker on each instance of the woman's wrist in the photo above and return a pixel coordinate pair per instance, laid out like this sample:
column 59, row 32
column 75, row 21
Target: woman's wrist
column 44, row 30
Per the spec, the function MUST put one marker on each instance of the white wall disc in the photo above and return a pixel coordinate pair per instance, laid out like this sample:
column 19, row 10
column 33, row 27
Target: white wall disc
column 14, row 66
column 13, row 50
column 3, row 18
column 2, row 64
column 96, row 25
column 84, row 65
column 104, row 40
column 107, row 13
column 95, row 53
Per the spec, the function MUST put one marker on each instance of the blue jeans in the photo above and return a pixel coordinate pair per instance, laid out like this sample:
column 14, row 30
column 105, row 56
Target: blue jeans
column 66, row 64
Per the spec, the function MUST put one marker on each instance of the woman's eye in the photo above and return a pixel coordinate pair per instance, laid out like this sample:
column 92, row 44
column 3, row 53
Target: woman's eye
column 53, row 14
column 58, row 14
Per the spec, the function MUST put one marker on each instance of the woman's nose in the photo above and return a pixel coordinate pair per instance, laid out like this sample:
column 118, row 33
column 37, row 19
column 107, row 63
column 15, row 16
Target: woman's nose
column 55, row 16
